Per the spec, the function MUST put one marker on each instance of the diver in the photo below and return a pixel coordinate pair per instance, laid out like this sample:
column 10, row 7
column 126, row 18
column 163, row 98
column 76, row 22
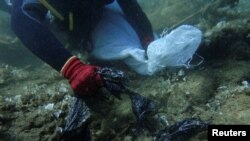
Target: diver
column 79, row 19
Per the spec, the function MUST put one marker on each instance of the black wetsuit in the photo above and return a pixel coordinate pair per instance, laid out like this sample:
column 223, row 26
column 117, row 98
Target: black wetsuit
column 27, row 21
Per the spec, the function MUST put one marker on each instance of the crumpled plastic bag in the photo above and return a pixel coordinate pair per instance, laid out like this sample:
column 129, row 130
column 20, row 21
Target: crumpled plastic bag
column 76, row 128
column 174, row 49
column 115, row 39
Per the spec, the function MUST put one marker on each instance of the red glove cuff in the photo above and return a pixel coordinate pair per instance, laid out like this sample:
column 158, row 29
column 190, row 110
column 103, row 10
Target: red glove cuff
column 82, row 78
column 71, row 63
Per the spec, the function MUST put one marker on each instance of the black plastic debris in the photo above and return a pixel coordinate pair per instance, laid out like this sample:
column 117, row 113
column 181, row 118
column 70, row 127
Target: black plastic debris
column 115, row 82
column 182, row 131
column 76, row 128
column 143, row 108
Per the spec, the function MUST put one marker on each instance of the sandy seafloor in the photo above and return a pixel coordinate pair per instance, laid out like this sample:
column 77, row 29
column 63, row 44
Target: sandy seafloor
column 217, row 91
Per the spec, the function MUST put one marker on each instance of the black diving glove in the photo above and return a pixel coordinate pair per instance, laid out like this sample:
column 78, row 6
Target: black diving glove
column 113, row 80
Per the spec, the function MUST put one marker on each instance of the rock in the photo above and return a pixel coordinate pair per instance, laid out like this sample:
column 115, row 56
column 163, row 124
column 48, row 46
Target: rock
column 49, row 106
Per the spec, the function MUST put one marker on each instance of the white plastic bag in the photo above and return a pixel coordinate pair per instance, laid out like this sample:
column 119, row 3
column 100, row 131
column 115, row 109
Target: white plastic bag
column 115, row 39
column 174, row 49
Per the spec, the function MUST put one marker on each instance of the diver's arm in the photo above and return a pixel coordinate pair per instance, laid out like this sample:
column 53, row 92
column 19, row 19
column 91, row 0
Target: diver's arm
column 27, row 24
column 138, row 19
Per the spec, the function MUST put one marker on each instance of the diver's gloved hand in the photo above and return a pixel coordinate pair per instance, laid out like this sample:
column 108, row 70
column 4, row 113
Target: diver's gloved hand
column 113, row 80
column 83, row 78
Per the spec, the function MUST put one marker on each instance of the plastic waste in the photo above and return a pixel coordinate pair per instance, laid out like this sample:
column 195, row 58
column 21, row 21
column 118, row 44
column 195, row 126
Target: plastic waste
column 174, row 49
column 76, row 128
column 141, row 106
column 115, row 39
column 182, row 130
